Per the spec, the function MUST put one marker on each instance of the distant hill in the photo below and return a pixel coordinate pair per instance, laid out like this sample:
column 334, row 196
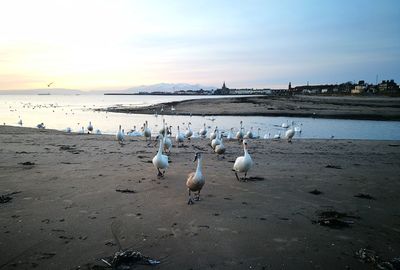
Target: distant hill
column 160, row 87
column 166, row 87
column 44, row 91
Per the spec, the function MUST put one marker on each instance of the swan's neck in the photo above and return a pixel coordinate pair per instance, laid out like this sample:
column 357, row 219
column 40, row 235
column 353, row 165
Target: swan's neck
column 160, row 148
column 199, row 164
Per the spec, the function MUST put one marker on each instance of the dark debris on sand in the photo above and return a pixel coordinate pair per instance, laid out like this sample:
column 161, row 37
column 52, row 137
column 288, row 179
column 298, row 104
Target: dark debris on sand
column 333, row 166
column 125, row 190
column 334, row 219
column 316, row 192
column 370, row 256
column 364, row 196
column 28, row 163
column 255, row 178
column 5, row 198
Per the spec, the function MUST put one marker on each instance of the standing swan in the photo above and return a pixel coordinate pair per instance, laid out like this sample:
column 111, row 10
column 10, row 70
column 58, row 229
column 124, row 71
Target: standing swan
column 179, row 137
column 290, row 133
column 147, row 131
column 239, row 134
column 195, row 180
column 160, row 161
column 243, row 163
column 120, row 136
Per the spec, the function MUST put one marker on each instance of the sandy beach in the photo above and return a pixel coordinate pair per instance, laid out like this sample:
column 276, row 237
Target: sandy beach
column 348, row 107
column 62, row 199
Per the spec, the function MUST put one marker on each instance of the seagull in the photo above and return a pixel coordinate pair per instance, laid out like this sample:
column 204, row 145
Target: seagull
column 195, row 180
column 243, row 163
column 90, row 127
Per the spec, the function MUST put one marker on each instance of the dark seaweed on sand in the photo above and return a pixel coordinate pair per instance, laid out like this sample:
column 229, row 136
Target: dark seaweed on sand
column 364, row 196
column 334, row 219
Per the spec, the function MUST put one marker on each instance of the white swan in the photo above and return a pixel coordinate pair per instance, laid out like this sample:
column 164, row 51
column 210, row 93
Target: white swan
column 277, row 136
column 189, row 132
column 179, row 137
column 216, row 141
column 203, row 131
column 220, row 148
column 20, row 122
column 249, row 134
column 290, row 133
column 196, row 180
column 213, row 134
column 90, row 127
column 120, row 135
column 285, row 125
column 239, row 134
column 243, row 163
column 167, row 141
column 82, row 131
column 230, row 134
column 146, row 131
column 160, row 161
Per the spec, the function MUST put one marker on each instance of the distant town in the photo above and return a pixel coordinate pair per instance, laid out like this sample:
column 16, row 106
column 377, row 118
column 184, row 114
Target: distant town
column 385, row 88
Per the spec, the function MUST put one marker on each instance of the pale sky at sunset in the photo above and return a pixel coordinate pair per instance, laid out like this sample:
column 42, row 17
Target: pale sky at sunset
column 90, row 45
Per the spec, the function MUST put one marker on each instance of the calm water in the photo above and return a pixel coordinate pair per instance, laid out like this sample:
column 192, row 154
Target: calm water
column 62, row 111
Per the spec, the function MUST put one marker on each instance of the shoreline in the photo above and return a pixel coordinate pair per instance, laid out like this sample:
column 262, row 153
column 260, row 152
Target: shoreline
column 356, row 108
column 65, row 192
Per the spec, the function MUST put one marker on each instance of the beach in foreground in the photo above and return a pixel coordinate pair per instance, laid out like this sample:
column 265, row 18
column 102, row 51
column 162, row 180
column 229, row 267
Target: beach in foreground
column 63, row 196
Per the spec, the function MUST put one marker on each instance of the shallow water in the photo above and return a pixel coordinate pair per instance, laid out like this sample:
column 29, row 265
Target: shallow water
column 74, row 111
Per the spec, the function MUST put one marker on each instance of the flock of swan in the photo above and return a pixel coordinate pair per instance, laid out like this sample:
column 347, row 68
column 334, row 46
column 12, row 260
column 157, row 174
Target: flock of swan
column 196, row 180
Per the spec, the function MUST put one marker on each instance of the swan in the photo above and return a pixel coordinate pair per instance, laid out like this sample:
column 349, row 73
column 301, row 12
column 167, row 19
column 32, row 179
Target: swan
column 258, row 134
column 167, row 142
column 213, row 134
column 216, row 141
column 203, row 131
column 195, row 180
column 249, row 134
column 160, row 161
column 290, row 133
column 239, row 134
column 90, row 127
column 267, row 136
column 179, row 137
column 277, row 136
column 189, row 132
column 98, row 132
column 230, row 134
column 243, row 163
column 82, row 131
column 220, row 148
column 298, row 129
column 120, row 135
column 20, row 122
column 285, row 125
column 146, row 131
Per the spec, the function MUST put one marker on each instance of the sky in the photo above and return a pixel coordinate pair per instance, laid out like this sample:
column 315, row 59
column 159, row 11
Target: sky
column 101, row 45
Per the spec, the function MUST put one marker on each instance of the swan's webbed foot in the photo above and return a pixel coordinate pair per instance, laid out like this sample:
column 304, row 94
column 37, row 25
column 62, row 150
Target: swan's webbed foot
column 190, row 201
column 197, row 197
column 160, row 174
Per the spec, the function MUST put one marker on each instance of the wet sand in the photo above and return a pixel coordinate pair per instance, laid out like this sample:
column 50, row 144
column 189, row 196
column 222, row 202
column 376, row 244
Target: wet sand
column 348, row 107
column 67, row 201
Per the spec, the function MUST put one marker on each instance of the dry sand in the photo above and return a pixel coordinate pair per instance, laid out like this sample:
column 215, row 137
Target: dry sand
column 348, row 107
column 67, row 202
